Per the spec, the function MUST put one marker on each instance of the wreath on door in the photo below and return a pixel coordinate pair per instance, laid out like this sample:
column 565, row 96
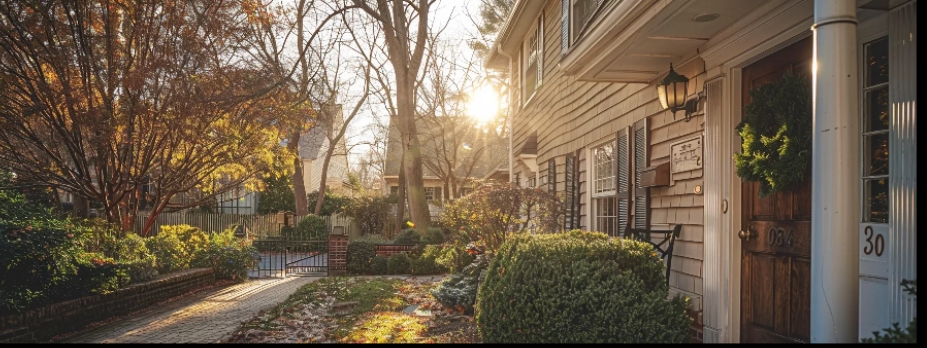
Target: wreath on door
column 776, row 134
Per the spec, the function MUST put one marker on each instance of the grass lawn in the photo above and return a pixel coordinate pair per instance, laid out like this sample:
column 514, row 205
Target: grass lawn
column 360, row 310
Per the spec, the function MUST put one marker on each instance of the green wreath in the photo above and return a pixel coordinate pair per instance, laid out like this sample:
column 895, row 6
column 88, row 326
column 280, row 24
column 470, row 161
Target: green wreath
column 776, row 133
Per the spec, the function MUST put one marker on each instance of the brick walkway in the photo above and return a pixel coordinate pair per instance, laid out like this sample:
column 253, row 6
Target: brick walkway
column 205, row 317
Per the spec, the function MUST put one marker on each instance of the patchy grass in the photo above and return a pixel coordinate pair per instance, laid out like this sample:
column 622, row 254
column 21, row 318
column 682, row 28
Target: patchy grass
column 377, row 315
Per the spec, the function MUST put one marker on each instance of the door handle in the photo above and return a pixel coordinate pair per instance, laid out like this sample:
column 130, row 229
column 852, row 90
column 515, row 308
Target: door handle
column 746, row 235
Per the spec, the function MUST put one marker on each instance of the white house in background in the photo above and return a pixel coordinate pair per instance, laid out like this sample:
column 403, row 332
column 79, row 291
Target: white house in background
column 584, row 75
column 314, row 144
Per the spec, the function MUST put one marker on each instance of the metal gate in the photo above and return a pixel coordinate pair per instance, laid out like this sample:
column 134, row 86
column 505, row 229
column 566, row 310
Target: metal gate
column 289, row 250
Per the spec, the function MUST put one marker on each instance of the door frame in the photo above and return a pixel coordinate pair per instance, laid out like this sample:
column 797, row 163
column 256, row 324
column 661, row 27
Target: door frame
column 732, row 111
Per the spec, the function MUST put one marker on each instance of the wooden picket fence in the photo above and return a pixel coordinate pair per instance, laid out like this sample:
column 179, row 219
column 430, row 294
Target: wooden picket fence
column 258, row 226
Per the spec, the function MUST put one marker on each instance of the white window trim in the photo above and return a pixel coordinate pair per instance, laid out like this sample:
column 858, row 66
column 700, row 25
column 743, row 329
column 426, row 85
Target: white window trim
column 592, row 168
column 538, row 30
column 873, row 29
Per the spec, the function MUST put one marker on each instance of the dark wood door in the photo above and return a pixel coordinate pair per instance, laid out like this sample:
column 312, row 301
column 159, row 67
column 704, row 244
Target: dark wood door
column 776, row 237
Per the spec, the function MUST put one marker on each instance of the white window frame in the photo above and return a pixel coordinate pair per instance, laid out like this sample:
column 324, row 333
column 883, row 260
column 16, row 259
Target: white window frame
column 599, row 197
column 576, row 31
column 865, row 121
column 536, row 34
column 432, row 190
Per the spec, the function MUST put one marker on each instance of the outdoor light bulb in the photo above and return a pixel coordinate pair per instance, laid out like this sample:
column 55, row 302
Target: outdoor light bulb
column 483, row 104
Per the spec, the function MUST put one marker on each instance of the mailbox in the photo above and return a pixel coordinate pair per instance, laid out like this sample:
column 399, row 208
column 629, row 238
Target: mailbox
column 657, row 175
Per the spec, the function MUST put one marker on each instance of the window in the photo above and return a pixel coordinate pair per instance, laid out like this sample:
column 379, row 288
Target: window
column 517, row 179
column 533, row 52
column 875, row 124
column 603, row 192
column 532, row 182
column 432, row 193
column 576, row 16
column 604, row 168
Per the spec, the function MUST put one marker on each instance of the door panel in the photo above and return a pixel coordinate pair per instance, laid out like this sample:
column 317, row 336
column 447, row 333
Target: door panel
column 776, row 258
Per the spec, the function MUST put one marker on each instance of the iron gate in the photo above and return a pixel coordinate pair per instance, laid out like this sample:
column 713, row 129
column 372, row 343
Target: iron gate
column 289, row 250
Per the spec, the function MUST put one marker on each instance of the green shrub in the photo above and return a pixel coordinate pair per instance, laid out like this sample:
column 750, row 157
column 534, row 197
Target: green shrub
column 174, row 246
column 371, row 214
column 311, row 228
column 37, row 258
column 433, row 235
column 426, row 262
column 895, row 334
column 407, row 237
column 132, row 252
column 398, row 263
column 360, row 255
column 459, row 290
column 495, row 210
column 230, row 257
column 333, row 203
column 379, row 265
column 578, row 287
column 454, row 256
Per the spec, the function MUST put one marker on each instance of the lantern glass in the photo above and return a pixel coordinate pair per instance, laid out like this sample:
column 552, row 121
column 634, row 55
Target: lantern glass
column 672, row 90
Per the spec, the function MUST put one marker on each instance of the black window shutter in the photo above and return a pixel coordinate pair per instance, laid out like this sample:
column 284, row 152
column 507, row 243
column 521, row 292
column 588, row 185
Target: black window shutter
column 568, row 193
column 564, row 26
column 552, row 176
column 641, row 194
column 623, row 185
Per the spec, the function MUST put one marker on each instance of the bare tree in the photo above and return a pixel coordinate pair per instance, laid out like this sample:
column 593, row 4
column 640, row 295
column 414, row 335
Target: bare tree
column 405, row 28
column 455, row 143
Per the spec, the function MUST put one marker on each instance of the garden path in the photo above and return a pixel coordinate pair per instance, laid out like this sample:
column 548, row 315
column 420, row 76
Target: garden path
column 205, row 317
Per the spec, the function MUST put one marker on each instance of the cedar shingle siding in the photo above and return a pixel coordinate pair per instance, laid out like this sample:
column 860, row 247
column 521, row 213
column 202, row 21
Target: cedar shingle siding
column 569, row 116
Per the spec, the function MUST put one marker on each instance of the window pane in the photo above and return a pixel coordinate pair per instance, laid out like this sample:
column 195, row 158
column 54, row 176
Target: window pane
column 877, row 62
column 606, row 216
column 877, row 109
column 875, row 196
column 876, row 154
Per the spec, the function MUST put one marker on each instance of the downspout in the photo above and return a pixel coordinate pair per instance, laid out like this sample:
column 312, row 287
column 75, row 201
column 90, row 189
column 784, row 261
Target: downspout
column 511, row 114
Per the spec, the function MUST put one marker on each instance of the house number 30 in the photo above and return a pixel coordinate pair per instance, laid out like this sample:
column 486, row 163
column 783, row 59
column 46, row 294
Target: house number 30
column 777, row 236
column 876, row 244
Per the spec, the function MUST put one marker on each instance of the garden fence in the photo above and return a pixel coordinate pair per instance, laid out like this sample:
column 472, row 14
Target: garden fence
column 259, row 226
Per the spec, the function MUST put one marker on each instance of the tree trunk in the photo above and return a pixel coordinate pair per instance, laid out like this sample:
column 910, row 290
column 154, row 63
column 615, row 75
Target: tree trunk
column 401, row 202
column 412, row 153
column 323, row 177
column 299, row 187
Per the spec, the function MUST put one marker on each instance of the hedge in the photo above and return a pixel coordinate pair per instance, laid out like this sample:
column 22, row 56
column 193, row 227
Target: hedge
column 578, row 287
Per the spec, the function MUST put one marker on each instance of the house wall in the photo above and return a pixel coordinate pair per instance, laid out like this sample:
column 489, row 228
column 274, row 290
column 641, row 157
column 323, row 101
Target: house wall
column 569, row 116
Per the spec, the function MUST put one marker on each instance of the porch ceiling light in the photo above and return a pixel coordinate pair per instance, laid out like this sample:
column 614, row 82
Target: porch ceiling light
column 672, row 91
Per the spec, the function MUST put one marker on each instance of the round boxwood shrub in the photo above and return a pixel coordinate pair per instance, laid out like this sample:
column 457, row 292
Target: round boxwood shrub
column 399, row 263
column 578, row 287
column 360, row 255
column 407, row 237
column 379, row 265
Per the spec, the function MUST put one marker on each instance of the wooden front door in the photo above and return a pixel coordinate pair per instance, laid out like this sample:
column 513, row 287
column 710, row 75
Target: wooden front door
column 776, row 233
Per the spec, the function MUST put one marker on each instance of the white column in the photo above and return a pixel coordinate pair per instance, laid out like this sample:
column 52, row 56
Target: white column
column 835, row 175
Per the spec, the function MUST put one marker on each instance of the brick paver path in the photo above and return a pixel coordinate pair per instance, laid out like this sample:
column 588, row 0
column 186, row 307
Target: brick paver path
column 204, row 317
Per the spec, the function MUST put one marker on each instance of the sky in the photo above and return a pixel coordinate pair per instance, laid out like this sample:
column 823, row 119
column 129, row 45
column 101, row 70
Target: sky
column 459, row 29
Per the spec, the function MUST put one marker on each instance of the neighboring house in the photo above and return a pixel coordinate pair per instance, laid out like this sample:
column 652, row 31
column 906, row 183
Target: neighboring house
column 314, row 144
column 588, row 124
column 477, row 156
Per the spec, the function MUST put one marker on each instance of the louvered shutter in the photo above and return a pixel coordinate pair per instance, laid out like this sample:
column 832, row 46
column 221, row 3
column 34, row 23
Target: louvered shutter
column 569, row 193
column 641, row 194
column 575, row 183
column 551, row 176
column 623, row 187
column 564, row 26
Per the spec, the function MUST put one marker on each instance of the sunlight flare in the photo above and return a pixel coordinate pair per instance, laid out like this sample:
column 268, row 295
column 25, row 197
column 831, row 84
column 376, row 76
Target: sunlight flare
column 483, row 104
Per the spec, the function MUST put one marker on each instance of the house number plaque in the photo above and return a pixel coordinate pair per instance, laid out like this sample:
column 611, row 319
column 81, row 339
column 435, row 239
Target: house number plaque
column 686, row 155
column 779, row 237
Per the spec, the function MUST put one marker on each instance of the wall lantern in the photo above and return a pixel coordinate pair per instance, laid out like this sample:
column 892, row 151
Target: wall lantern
column 672, row 92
